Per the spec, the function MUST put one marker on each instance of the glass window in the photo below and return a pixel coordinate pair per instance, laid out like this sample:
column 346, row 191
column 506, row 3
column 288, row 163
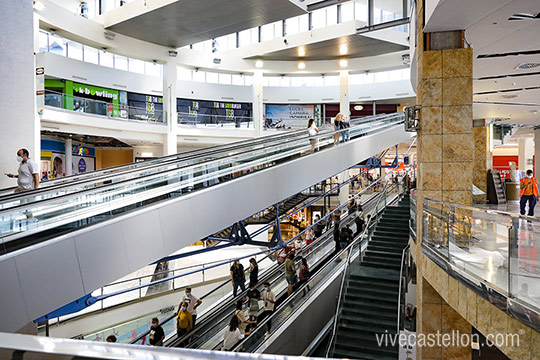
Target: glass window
column 369, row 78
column 265, row 81
column 120, row 62
column 106, row 59
column 199, row 76
column 331, row 81
column 74, row 50
column 267, row 32
column 91, row 8
column 303, row 23
column 198, row 46
column 292, row 26
column 184, row 74
column 212, row 78
column 307, row 81
column 207, row 46
column 361, row 10
column 318, row 81
column 347, row 11
column 238, row 80
column 278, row 29
column 248, row 80
column 355, row 79
column 296, row 81
column 285, row 81
column 109, row 5
column 136, row 66
column 387, row 10
column 406, row 73
column 91, row 55
column 244, row 38
column 57, row 45
column 331, row 15
column 43, row 41
column 381, row 76
column 227, row 42
column 274, row 81
column 318, row 19
column 225, row 79
column 152, row 69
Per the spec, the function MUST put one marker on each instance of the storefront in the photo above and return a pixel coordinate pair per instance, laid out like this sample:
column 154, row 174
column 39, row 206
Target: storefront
column 331, row 110
column 85, row 98
column 145, row 107
column 213, row 112
column 53, row 159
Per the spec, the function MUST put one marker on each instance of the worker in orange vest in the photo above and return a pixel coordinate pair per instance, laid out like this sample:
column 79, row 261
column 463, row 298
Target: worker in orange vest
column 529, row 193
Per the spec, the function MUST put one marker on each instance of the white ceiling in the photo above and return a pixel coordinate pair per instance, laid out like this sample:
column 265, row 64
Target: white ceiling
column 488, row 31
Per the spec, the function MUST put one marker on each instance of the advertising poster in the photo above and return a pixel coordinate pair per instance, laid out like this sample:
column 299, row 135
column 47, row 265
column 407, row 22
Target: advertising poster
column 82, row 164
column 58, row 165
column 288, row 116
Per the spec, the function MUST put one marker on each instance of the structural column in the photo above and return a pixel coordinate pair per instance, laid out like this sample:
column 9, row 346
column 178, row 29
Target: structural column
column 258, row 102
column 170, row 81
column 344, row 103
column 526, row 151
column 445, row 154
column 69, row 156
column 536, row 151
column 482, row 156
column 20, row 125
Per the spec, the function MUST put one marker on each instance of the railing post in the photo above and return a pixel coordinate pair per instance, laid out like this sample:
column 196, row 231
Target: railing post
column 140, row 289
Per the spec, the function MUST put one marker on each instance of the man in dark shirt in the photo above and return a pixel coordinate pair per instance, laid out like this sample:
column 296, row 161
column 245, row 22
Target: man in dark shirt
column 238, row 277
column 156, row 333
column 360, row 222
column 346, row 236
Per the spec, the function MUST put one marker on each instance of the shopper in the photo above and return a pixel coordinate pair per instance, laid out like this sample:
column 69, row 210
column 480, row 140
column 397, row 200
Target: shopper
column 184, row 321
column 240, row 314
column 529, row 193
column 313, row 131
column 337, row 238
column 290, row 274
column 346, row 236
column 253, row 296
column 238, row 277
column 303, row 273
column 337, row 127
column 232, row 335
column 360, row 222
column 28, row 173
column 193, row 303
column 253, row 271
column 352, row 207
column 319, row 226
column 269, row 302
column 111, row 339
column 157, row 335
column 310, row 236
column 344, row 125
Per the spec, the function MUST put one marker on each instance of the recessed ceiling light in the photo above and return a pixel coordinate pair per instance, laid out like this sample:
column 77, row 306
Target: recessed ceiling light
column 301, row 65
column 343, row 63
column 259, row 64
column 301, row 51
column 343, row 49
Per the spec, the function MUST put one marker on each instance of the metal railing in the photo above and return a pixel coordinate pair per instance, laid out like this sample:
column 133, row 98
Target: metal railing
column 214, row 120
column 403, row 273
column 103, row 108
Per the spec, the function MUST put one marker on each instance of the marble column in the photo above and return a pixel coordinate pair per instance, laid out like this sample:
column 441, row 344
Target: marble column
column 170, row 81
column 445, row 154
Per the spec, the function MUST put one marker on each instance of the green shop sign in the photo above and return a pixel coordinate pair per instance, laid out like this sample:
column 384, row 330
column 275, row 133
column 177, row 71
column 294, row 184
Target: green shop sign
column 94, row 91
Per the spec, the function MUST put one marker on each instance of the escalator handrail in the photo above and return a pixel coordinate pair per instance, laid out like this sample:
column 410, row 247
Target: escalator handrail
column 123, row 182
column 97, row 175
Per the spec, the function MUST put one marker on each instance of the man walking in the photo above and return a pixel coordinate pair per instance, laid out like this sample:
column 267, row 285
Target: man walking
column 28, row 174
column 529, row 193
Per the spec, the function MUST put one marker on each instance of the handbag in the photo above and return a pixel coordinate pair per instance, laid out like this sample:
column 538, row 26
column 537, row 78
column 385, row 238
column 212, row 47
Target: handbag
column 254, row 305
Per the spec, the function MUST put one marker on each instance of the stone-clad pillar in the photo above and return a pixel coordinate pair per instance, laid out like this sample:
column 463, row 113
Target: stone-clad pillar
column 445, row 154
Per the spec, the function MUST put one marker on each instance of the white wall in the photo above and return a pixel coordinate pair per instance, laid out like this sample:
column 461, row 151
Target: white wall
column 19, row 126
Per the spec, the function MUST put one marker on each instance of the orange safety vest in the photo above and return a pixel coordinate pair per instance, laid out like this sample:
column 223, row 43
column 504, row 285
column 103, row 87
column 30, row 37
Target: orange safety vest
column 534, row 183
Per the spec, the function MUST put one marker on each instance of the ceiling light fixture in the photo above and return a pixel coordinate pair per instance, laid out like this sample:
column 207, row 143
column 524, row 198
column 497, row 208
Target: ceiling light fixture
column 173, row 53
column 109, row 35
column 259, row 64
column 343, row 49
column 343, row 63
column 301, row 65
column 524, row 16
column 301, row 51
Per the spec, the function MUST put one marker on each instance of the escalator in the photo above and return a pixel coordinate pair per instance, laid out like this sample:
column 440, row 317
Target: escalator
column 109, row 218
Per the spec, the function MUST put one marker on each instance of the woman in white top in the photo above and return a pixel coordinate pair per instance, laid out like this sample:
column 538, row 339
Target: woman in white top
column 232, row 334
column 313, row 131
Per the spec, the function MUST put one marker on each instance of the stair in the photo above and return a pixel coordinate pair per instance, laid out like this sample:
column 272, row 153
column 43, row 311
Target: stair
column 370, row 303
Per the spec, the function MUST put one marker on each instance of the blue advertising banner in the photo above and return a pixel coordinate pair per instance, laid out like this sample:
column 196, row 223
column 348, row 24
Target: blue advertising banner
column 288, row 115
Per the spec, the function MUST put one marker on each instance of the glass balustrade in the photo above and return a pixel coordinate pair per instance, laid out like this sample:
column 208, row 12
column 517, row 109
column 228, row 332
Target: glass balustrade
column 90, row 202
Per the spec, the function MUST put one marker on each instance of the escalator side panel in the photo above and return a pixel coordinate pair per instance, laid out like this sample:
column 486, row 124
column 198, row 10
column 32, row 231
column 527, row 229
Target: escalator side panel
column 160, row 229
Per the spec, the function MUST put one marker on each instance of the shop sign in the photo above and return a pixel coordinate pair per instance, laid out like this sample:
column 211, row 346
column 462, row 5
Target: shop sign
column 220, row 105
column 154, row 99
column 82, row 166
column 99, row 93
column 80, row 150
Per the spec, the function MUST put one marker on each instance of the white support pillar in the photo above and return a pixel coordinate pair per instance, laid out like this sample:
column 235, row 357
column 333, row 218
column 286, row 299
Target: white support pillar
column 68, row 145
column 526, row 151
column 344, row 104
column 344, row 190
column 18, row 126
column 170, row 81
column 537, row 152
column 258, row 102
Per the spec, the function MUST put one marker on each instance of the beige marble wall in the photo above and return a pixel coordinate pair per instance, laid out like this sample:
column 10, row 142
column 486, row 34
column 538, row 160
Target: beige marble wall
column 458, row 307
